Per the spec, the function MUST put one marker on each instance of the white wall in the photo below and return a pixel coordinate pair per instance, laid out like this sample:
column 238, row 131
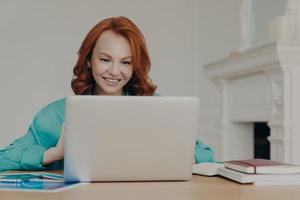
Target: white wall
column 39, row 41
column 217, row 34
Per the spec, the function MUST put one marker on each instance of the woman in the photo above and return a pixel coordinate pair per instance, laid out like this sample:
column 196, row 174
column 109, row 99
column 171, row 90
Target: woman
column 112, row 60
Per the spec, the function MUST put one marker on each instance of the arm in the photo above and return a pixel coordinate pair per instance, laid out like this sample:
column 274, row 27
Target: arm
column 27, row 152
column 203, row 153
column 56, row 153
column 24, row 153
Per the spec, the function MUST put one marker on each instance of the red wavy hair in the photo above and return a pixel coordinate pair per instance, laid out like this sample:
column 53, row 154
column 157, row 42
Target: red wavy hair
column 140, row 84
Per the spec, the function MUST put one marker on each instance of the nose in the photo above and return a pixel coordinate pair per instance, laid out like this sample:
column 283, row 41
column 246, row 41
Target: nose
column 114, row 69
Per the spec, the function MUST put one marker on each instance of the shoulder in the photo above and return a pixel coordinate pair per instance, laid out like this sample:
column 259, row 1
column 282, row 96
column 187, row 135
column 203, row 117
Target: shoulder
column 55, row 105
column 47, row 122
column 56, row 108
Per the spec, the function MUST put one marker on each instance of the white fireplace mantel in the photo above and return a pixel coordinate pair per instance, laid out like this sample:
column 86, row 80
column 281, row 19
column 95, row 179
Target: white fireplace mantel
column 261, row 84
column 238, row 64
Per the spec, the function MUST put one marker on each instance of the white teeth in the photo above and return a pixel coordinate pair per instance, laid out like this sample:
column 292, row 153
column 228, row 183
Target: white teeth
column 112, row 81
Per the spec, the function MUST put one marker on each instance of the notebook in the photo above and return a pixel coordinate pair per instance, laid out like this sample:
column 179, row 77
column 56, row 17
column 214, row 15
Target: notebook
column 218, row 169
column 262, row 166
column 207, row 168
column 260, row 179
column 129, row 138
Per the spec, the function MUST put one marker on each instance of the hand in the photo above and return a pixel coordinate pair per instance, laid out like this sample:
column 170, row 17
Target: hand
column 55, row 153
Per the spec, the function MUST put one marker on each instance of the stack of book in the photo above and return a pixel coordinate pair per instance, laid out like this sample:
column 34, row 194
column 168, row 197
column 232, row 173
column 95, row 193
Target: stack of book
column 261, row 171
column 257, row 171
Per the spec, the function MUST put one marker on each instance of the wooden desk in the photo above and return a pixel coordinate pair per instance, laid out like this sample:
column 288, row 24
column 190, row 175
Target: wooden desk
column 206, row 188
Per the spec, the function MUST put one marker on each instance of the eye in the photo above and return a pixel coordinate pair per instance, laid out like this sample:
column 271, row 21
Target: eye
column 104, row 60
column 126, row 62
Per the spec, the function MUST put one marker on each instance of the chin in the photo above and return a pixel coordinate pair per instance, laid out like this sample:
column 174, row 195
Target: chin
column 111, row 92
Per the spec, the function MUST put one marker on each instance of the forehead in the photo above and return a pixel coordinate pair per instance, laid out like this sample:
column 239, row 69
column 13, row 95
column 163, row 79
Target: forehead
column 113, row 44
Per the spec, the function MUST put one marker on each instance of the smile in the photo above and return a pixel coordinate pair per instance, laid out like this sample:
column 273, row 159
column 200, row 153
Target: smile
column 111, row 81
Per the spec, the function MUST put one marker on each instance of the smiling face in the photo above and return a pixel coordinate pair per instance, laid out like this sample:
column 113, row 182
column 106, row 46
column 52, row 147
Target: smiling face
column 111, row 63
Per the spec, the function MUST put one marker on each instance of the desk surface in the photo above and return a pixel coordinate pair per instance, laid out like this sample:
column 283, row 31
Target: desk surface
column 198, row 188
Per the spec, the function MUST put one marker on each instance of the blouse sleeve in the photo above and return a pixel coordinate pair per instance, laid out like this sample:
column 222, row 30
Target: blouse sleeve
column 23, row 154
column 26, row 152
column 203, row 153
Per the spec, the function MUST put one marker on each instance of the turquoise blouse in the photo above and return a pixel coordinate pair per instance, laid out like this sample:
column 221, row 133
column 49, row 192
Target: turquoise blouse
column 26, row 152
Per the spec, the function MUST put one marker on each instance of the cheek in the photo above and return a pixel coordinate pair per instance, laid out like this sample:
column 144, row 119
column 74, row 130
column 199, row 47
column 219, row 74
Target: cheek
column 98, row 68
column 128, row 72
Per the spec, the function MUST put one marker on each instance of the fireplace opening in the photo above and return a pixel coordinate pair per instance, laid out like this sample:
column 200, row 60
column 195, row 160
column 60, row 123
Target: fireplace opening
column 261, row 143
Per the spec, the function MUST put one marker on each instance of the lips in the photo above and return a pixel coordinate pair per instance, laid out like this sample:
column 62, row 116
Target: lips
column 111, row 81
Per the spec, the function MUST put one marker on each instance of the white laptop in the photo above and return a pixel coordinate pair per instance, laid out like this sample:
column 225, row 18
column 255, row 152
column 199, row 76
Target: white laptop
column 129, row 138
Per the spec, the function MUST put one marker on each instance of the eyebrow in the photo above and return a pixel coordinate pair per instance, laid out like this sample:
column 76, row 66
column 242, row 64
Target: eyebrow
column 111, row 57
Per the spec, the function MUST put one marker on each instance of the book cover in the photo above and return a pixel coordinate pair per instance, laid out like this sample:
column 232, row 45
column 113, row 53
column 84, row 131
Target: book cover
column 260, row 179
column 262, row 166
